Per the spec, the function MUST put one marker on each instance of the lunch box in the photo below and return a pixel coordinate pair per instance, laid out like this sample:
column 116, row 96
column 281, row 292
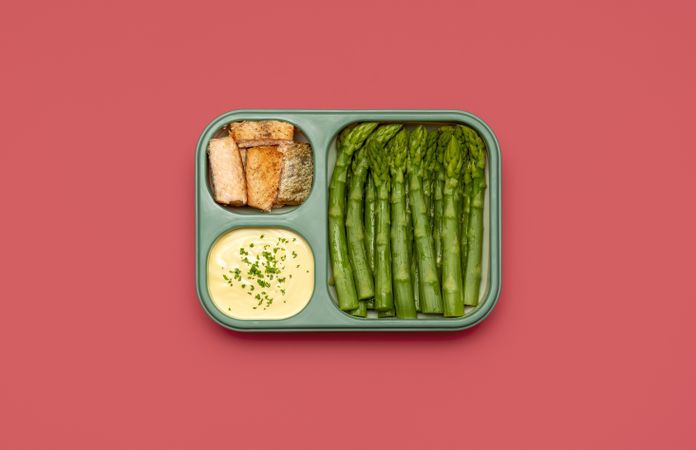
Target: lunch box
column 320, row 128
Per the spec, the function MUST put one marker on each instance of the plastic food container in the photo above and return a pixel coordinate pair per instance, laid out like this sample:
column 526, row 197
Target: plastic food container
column 320, row 128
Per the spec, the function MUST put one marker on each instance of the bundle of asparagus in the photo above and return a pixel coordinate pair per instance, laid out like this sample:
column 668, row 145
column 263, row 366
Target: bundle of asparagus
column 406, row 220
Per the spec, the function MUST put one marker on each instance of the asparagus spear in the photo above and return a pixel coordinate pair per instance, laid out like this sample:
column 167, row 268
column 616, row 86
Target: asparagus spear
column 369, row 225
column 412, row 262
column 361, row 310
column 415, row 279
column 387, row 313
column 451, row 262
column 426, row 172
column 430, row 296
column 350, row 140
column 404, row 302
column 397, row 153
column 463, row 203
column 444, row 135
column 384, row 299
column 464, row 215
column 354, row 228
column 429, row 161
column 477, row 163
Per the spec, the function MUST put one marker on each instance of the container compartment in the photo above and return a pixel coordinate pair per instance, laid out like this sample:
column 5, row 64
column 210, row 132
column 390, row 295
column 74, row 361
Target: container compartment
column 241, row 294
column 222, row 131
column 485, row 264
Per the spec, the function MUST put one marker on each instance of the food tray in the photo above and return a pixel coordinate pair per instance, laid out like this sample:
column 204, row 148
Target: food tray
column 320, row 128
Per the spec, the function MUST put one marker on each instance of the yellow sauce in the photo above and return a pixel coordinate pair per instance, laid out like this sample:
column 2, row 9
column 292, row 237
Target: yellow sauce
column 260, row 273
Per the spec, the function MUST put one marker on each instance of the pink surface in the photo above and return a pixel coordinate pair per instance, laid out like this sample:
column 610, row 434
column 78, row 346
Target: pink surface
column 103, row 343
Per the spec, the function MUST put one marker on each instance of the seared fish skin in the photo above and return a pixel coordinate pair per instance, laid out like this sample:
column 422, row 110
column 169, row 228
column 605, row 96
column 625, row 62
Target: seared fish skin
column 254, row 133
column 227, row 172
column 297, row 174
column 263, row 167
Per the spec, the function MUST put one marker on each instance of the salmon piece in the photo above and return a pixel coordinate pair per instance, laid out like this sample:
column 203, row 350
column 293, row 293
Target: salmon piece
column 297, row 174
column 227, row 172
column 255, row 133
column 263, row 167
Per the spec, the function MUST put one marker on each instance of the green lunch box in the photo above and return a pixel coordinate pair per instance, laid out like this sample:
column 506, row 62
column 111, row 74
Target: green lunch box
column 320, row 128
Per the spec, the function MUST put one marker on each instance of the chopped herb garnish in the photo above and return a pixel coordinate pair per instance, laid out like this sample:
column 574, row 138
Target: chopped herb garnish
column 264, row 269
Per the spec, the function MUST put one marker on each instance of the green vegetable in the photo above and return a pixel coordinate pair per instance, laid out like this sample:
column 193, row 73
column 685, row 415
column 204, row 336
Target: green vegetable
column 453, row 304
column 429, row 168
column 397, row 153
column 465, row 214
column 370, row 226
column 429, row 284
column 348, row 142
column 444, row 135
column 413, row 265
column 370, row 222
column 477, row 163
column 384, row 299
column 354, row 228
column 361, row 310
column 415, row 279
column 464, row 205
column 384, row 314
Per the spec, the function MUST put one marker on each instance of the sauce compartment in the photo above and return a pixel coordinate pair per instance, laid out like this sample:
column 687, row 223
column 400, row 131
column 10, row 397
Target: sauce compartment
column 260, row 273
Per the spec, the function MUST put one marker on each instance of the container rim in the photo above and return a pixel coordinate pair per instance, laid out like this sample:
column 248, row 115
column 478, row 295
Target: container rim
column 406, row 115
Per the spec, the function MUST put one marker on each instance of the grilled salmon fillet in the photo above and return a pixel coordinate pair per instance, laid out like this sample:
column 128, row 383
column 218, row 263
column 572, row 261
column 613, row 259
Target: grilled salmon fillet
column 296, row 175
column 263, row 167
column 254, row 133
column 227, row 172
column 242, row 152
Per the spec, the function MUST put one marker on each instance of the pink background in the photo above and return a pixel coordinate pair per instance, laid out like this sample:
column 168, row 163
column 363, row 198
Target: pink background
column 103, row 343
